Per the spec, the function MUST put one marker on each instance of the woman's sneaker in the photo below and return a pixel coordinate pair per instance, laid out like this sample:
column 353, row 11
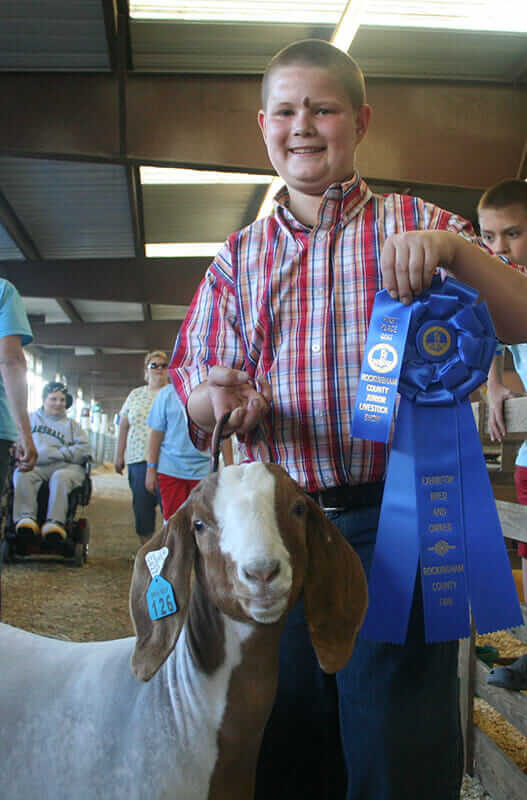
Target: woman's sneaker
column 53, row 532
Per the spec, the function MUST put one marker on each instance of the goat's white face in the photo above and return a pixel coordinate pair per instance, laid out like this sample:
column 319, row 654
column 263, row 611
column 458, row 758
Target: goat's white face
column 245, row 548
column 248, row 534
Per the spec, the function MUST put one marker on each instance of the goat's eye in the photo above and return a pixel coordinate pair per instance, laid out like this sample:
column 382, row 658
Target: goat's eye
column 299, row 508
column 199, row 526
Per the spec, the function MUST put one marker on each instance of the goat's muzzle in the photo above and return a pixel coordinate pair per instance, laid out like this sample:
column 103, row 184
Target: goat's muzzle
column 263, row 590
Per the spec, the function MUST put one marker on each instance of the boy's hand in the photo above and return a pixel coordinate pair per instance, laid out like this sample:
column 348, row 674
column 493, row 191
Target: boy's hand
column 496, row 396
column 232, row 390
column 25, row 454
column 409, row 260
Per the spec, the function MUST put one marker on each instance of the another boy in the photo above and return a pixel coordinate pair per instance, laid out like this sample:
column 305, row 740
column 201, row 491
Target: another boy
column 502, row 212
column 276, row 335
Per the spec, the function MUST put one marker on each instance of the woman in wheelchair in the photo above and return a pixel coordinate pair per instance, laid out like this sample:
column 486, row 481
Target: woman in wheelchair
column 62, row 447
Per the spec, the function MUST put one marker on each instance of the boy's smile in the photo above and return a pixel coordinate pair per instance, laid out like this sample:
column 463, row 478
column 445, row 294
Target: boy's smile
column 311, row 129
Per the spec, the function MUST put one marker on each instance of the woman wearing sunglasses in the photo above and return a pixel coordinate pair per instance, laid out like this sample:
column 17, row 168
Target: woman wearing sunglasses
column 133, row 438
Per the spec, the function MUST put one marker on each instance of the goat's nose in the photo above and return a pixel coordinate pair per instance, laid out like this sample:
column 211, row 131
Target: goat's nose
column 264, row 570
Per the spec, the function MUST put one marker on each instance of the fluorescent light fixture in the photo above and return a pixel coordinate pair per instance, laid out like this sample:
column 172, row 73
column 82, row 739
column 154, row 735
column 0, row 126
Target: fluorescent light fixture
column 169, row 175
column 477, row 15
column 348, row 25
column 238, row 11
column 183, row 249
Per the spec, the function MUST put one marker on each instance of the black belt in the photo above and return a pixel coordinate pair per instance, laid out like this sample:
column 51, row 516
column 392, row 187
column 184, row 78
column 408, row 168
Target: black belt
column 341, row 498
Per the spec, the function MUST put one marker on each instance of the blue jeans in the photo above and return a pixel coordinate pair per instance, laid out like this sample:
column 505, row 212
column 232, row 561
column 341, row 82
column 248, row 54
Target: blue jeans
column 143, row 501
column 389, row 719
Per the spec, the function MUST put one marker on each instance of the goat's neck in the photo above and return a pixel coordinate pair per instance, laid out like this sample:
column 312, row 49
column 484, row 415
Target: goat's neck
column 205, row 631
column 252, row 650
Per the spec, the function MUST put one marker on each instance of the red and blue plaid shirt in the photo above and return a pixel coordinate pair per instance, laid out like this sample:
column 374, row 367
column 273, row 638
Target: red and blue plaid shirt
column 293, row 303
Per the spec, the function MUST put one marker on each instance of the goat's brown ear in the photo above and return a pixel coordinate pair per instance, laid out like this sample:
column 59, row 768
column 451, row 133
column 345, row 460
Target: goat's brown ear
column 335, row 592
column 157, row 638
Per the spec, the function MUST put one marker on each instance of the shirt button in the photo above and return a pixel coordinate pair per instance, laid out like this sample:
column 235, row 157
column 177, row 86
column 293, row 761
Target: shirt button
column 315, row 348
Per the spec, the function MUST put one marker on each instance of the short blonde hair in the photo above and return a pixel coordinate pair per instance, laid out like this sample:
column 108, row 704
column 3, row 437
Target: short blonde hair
column 319, row 53
column 510, row 192
column 153, row 354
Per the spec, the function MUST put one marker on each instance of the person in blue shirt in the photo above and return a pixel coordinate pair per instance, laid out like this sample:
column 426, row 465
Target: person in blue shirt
column 15, row 332
column 174, row 464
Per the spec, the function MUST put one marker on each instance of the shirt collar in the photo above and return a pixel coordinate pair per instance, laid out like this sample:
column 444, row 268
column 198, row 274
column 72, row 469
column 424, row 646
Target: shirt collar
column 340, row 202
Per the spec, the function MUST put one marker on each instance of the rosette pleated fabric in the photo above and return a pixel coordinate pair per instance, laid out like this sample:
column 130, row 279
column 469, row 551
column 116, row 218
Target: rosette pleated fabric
column 438, row 516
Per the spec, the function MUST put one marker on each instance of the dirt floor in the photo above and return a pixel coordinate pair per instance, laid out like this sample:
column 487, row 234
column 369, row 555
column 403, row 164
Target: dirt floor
column 49, row 596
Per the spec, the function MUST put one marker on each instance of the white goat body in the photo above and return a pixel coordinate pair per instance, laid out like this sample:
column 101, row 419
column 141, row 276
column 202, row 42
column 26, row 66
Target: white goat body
column 76, row 722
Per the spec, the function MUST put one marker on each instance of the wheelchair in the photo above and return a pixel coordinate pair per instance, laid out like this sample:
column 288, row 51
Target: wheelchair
column 74, row 548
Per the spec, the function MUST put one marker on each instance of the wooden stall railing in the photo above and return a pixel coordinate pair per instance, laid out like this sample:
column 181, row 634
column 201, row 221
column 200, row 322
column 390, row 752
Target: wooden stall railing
column 499, row 775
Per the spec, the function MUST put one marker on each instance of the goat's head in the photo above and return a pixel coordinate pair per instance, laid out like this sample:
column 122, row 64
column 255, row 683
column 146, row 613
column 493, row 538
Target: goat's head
column 256, row 541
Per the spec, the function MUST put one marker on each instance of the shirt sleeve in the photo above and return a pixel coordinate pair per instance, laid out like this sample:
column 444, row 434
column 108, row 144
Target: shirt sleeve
column 157, row 416
column 125, row 410
column 79, row 447
column 13, row 317
column 209, row 335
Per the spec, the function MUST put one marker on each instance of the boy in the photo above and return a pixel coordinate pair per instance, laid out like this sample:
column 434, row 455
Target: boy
column 276, row 335
column 502, row 213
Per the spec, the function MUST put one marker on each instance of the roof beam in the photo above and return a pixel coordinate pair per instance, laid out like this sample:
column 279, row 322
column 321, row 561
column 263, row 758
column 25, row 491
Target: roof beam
column 198, row 119
column 129, row 365
column 17, row 232
column 135, row 196
column 110, row 24
column 69, row 309
column 171, row 281
column 153, row 335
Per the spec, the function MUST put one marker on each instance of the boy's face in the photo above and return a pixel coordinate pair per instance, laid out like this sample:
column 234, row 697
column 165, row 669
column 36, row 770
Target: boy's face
column 55, row 404
column 310, row 128
column 504, row 230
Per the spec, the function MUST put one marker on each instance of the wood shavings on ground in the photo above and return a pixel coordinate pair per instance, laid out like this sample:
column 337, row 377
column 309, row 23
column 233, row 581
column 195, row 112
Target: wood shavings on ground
column 473, row 790
column 507, row 644
column 511, row 741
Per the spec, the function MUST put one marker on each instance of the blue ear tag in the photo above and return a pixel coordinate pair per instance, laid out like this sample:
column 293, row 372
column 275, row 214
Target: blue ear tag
column 160, row 595
column 160, row 598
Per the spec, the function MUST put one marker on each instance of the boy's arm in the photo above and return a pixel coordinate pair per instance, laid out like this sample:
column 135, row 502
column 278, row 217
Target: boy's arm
column 13, row 371
column 229, row 390
column 497, row 393
column 80, row 448
column 408, row 262
column 155, row 440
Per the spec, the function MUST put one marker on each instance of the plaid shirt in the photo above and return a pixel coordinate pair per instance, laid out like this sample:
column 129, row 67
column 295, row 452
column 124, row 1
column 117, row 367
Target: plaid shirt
column 293, row 303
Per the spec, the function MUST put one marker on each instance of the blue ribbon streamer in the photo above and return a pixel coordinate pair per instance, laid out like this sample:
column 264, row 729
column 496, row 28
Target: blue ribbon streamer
column 438, row 510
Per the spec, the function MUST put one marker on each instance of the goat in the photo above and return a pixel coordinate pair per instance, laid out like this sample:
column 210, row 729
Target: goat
column 77, row 723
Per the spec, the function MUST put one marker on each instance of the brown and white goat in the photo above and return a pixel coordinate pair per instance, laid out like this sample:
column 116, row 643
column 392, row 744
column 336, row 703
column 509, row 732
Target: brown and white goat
column 76, row 722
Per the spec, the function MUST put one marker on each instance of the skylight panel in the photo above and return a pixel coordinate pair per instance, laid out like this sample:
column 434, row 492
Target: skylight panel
column 170, row 175
column 477, row 15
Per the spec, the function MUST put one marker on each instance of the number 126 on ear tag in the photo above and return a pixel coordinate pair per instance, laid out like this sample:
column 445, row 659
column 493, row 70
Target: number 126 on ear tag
column 160, row 598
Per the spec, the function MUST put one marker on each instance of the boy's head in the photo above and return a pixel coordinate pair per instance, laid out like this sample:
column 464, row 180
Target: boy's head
column 318, row 53
column 313, row 115
column 502, row 212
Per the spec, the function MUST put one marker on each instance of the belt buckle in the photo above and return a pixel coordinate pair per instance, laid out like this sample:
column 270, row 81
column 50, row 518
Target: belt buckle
column 319, row 499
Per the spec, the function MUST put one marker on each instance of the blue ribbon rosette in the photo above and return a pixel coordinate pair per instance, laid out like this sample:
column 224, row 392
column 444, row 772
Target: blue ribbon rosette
column 438, row 512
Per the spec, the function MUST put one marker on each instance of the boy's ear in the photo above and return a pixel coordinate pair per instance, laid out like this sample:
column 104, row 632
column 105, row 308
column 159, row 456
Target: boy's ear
column 362, row 121
column 261, row 121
